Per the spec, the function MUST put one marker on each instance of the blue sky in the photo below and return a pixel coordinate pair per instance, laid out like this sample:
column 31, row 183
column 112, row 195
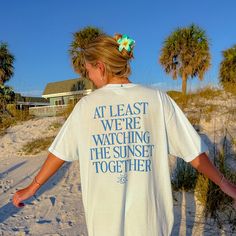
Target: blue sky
column 39, row 34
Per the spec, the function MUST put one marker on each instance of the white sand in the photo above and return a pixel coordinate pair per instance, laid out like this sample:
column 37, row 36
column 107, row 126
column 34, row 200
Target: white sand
column 57, row 208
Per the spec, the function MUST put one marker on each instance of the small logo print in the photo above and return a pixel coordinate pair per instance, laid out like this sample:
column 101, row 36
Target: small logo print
column 122, row 179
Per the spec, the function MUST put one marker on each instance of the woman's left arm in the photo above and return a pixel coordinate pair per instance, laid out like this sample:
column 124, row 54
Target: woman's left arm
column 203, row 164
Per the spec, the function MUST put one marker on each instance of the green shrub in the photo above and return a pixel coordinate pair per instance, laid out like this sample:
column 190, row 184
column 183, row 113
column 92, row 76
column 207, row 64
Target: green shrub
column 11, row 108
column 19, row 115
column 11, row 117
column 6, row 122
column 184, row 176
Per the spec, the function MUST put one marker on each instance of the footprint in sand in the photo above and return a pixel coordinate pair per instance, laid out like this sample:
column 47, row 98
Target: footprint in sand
column 21, row 231
column 43, row 221
column 70, row 223
column 53, row 200
column 49, row 204
column 28, row 217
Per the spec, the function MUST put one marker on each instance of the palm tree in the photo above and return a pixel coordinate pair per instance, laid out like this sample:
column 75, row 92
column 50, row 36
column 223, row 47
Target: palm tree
column 186, row 53
column 227, row 74
column 6, row 95
column 6, row 72
column 80, row 40
column 6, row 63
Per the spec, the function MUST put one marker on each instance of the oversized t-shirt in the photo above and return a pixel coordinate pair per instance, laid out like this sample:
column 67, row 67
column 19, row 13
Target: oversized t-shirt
column 122, row 135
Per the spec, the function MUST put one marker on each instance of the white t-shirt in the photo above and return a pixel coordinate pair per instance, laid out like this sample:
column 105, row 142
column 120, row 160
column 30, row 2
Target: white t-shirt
column 122, row 135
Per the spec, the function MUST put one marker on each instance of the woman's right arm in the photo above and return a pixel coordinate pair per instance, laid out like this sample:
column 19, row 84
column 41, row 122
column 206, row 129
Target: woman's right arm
column 203, row 164
column 49, row 168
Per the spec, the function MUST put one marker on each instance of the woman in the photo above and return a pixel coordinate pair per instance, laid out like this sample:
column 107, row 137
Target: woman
column 122, row 134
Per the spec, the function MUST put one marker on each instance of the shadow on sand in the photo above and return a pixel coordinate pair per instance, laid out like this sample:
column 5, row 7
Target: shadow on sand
column 2, row 175
column 9, row 210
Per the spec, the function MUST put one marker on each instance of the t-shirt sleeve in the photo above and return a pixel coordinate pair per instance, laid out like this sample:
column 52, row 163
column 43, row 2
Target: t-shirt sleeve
column 182, row 139
column 65, row 145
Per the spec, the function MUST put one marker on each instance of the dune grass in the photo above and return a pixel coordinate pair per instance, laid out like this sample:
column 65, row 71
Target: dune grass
column 36, row 146
column 208, row 93
column 231, row 88
column 216, row 203
column 54, row 126
column 68, row 110
column 200, row 103
column 11, row 117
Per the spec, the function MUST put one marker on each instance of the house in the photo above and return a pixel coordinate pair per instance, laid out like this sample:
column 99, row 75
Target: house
column 25, row 102
column 67, row 91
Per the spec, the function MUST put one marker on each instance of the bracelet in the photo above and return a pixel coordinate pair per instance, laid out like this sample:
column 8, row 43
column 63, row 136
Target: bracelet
column 36, row 181
column 221, row 180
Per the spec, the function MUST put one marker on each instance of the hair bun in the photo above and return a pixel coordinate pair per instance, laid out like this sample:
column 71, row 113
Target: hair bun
column 117, row 36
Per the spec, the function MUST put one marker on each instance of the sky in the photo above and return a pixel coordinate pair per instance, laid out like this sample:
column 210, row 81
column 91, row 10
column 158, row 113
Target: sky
column 39, row 34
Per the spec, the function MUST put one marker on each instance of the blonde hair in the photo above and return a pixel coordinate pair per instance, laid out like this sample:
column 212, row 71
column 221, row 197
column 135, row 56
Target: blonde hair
column 106, row 49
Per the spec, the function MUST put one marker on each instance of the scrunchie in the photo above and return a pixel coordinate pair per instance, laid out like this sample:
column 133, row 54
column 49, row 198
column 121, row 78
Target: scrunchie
column 125, row 42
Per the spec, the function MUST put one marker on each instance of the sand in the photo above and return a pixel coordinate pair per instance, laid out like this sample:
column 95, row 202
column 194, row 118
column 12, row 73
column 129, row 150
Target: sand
column 57, row 208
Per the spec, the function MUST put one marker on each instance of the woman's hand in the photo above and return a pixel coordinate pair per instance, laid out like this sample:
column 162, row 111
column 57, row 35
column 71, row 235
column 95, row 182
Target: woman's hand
column 228, row 188
column 22, row 195
column 203, row 164
column 50, row 166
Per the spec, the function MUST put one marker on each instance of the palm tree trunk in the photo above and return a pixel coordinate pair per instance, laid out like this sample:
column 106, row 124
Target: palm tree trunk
column 184, row 84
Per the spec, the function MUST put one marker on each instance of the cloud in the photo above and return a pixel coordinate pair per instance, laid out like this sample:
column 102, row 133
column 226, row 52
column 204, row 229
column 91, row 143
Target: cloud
column 159, row 84
column 165, row 86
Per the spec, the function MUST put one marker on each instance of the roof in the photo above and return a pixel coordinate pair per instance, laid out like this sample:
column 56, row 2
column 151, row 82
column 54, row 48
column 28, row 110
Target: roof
column 68, row 86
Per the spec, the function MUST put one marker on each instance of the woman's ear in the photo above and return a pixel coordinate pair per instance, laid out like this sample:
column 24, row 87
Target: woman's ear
column 101, row 66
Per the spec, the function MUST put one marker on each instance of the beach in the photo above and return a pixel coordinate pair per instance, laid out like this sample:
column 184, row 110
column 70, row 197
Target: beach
column 57, row 208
